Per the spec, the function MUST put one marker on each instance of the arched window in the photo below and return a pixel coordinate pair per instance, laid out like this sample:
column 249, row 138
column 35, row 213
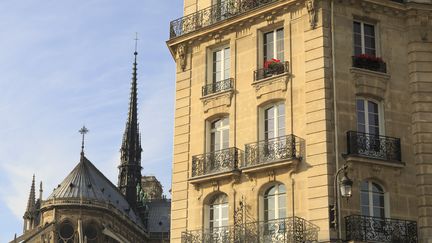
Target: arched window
column 219, row 134
column 66, row 232
column 218, row 212
column 372, row 199
column 275, row 202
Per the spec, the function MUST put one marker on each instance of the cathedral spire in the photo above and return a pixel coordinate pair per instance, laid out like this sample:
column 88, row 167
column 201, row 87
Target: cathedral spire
column 29, row 214
column 130, row 160
column 32, row 197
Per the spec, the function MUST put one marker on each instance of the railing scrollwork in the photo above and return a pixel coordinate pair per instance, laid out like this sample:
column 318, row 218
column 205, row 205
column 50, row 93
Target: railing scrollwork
column 216, row 162
column 373, row 146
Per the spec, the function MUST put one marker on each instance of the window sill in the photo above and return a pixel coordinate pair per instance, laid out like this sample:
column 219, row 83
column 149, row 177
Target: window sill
column 214, row 176
column 354, row 158
column 265, row 166
column 370, row 82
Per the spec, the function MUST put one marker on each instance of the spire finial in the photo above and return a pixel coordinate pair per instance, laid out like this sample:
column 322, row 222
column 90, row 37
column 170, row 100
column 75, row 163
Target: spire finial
column 83, row 132
column 136, row 43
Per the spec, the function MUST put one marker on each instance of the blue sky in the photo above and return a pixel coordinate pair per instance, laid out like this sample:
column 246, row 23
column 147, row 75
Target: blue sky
column 68, row 63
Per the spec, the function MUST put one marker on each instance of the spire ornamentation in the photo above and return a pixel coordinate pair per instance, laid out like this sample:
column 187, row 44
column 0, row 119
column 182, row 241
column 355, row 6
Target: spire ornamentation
column 130, row 158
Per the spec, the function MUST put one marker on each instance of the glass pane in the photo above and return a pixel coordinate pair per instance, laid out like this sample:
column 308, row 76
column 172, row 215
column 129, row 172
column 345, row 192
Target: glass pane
column 357, row 28
column 365, row 211
column 282, row 189
column 225, row 139
column 360, row 105
column 271, row 214
column 281, row 201
column 360, row 117
column 364, row 186
column 282, row 213
column 271, row 191
column 369, row 30
column 377, row 188
column 225, row 121
column 373, row 130
column 372, row 107
column 268, row 46
column 373, row 120
column 378, row 212
column 225, row 212
column 370, row 43
column 269, row 113
column 364, row 198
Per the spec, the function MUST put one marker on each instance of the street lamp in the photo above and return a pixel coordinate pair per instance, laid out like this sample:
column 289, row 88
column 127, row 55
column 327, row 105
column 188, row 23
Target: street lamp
column 345, row 188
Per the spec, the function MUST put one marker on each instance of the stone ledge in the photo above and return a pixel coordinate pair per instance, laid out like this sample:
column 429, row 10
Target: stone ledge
column 273, row 84
column 360, row 159
column 370, row 82
column 215, row 100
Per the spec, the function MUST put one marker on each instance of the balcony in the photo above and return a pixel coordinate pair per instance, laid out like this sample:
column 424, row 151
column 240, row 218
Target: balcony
column 369, row 62
column 213, row 14
column 374, row 146
column 272, row 153
column 271, row 71
column 373, row 229
column 216, row 164
column 292, row 229
column 217, row 87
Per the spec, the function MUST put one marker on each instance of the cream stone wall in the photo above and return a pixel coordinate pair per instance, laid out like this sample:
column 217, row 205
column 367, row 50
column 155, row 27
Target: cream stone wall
column 308, row 95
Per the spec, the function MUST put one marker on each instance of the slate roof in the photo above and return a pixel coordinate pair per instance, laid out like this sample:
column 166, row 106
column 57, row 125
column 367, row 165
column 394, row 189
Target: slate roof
column 87, row 182
column 159, row 215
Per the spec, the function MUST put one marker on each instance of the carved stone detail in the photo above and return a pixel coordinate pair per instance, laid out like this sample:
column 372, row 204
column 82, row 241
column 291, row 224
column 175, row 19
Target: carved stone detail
column 181, row 55
column 370, row 82
column 222, row 99
column 271, row 85
column 310, row 6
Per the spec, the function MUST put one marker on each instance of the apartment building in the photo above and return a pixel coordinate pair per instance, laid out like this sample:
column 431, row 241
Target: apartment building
column 279, row 103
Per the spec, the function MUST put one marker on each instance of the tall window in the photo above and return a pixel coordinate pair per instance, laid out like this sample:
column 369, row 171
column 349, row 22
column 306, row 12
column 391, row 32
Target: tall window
column 368, row 116
column 372, row 201
column 219, row 134
column 221, row 64
column 275, row 203
column 364, row 39
column 218, row 212
column 274, row 121
column 274, row 45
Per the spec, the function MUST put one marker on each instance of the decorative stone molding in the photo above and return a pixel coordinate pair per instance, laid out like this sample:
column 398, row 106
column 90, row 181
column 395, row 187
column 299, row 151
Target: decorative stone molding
column 181, row 55
column 276, row 85
column 370, row 82
column 310, row 6
column 217, row 100
column 253, row 180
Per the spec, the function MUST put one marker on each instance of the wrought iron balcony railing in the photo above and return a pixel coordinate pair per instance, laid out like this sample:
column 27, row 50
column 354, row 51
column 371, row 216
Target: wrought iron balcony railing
column 217, row 87
column 373, row 146
column 213, row 14
column 276, row 149
column 373, row 229
column 216, row 162
column 263, row 73
column 291, row 229
column 370, row 63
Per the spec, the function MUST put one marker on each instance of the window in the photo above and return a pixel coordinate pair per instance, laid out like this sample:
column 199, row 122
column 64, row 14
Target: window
column 273, row 45
column 274, row 203
column 218, row 212
column 364, row 39
column 220, row 64
column 368, row 116
column 372, row 200
column 274, row 121
column 219, row 134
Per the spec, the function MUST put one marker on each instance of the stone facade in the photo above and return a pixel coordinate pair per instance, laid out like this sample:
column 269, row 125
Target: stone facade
column 151, row 187
column 320, row 89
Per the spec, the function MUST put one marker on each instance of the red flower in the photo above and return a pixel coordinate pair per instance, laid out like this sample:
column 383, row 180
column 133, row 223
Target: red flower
column 271, row 61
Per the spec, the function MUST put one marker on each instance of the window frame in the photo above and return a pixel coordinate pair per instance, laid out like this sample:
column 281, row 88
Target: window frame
column 220, row 129
column 261, row 33
column 381, row 118
column 362, row 36
column 370, row 194
column 262, row 120
column 211, row 79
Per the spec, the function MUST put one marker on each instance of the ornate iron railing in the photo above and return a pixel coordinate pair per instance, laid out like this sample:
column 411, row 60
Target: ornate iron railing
column 217, row 87
column 373, row 229
column 216, row 162
column 276, row 149
column 376, row 65
column 213, row 14
column 263, row 73
column 373, row 146
column 291, row 229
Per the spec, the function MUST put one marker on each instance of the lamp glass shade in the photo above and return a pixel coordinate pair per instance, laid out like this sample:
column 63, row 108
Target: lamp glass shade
column 346, row 187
